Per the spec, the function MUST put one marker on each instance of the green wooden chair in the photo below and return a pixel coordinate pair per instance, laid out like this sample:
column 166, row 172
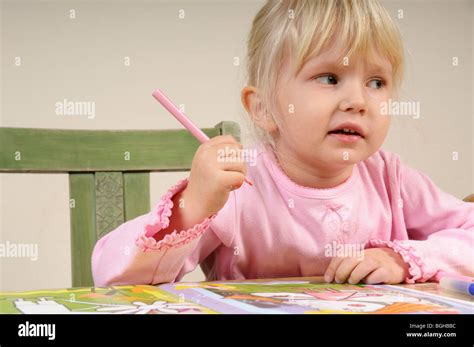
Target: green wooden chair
column 108, row 174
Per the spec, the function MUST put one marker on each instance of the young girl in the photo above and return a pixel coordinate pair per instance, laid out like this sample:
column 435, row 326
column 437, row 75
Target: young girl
column 326, row 199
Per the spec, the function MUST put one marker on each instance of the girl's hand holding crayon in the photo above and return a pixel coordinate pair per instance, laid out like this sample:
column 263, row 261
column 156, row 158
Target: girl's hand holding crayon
column 216, row 171
column 376, row 265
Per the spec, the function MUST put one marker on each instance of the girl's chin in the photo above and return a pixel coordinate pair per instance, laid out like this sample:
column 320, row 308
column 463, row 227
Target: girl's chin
column 347, row 156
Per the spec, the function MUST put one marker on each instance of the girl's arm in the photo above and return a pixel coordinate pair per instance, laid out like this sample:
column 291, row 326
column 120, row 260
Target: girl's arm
column 148, row 250
column 440, row 228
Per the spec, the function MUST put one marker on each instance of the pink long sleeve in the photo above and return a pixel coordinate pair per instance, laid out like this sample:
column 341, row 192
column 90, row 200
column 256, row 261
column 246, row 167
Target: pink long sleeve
column 130, row 254
column 440, row 229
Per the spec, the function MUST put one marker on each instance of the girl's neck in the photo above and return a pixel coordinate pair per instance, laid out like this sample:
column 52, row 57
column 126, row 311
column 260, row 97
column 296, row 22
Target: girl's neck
column 309, row 176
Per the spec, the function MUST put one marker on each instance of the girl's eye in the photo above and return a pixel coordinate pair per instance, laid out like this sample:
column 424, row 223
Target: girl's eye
column 380, row 83
column 331, row 79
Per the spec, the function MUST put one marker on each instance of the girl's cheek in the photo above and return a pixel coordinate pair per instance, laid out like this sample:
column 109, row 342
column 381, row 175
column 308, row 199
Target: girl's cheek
column 377, row 103
column 378, row 95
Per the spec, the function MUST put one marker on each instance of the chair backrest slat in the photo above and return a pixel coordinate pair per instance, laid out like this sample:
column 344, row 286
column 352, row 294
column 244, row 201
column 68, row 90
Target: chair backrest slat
column 136, row 191
column 109, row 206
column 83, row 226
column 51, row 150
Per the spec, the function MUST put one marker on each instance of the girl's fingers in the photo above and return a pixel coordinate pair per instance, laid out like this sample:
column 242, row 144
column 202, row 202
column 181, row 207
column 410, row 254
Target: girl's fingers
column 233, row 162
column 345, row 268
column 378, row 276
column 362, row 270
column 231, row 179
column 226, row 157
column 236, row 167
column 331, row 270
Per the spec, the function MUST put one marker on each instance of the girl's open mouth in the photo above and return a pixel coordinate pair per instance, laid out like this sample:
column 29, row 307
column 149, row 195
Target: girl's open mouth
column 345, row 135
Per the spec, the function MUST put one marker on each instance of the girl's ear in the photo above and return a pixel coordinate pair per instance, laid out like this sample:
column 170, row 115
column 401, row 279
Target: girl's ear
column 254, row 107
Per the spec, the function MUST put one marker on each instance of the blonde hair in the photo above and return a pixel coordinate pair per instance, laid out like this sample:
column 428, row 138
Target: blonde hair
column 304, row 29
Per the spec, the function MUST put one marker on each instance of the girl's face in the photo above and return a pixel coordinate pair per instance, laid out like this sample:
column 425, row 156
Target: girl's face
column 328, row 92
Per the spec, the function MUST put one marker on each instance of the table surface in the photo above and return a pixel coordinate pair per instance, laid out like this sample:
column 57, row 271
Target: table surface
column 262, row 296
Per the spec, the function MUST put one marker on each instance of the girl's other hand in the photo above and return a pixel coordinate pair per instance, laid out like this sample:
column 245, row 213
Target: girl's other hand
column 376, row 265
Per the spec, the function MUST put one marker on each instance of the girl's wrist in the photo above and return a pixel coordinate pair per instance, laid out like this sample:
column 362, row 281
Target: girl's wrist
column 184, row 215
column 191, row 210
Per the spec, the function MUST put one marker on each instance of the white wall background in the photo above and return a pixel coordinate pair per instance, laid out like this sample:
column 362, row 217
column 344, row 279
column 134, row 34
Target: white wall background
column 192, row 59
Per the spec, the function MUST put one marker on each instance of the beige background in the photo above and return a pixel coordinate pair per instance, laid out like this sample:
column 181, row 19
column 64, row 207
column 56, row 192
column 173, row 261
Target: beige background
column 192, row 59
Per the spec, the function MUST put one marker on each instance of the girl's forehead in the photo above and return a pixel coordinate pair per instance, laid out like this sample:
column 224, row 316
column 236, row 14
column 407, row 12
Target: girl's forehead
column 364, row 61
column 333, row 57
column 336, row 58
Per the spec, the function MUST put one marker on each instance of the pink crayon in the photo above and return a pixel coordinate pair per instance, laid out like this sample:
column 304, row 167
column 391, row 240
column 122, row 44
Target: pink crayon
column 183, row 119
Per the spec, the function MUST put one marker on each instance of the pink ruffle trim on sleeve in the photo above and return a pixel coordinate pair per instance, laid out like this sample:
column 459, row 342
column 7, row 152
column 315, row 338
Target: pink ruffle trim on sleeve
column 417, row 269
column 159, row 220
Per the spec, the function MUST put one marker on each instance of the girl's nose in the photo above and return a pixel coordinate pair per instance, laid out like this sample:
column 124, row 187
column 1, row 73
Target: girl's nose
column 354, row 100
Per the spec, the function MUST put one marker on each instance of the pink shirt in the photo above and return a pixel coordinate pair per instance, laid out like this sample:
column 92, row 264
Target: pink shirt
column 278, row 228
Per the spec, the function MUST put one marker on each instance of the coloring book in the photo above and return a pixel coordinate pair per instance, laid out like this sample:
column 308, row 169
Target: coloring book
column 273, row 296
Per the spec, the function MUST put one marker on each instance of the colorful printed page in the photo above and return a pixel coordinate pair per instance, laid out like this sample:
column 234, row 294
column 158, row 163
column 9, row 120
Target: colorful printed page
column 285, row 296
column 139, row 299
column 314, row 296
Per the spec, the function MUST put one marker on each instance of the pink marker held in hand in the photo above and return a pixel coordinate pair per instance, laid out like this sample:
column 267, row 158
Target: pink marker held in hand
column 183, row 119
